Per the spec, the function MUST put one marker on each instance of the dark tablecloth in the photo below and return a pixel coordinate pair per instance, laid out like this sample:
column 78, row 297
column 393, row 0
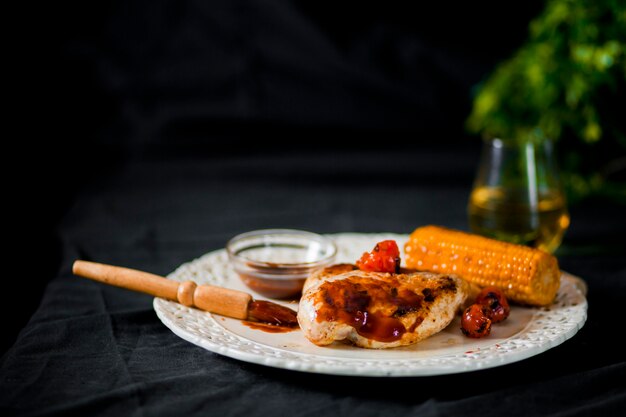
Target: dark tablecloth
column 94, row 350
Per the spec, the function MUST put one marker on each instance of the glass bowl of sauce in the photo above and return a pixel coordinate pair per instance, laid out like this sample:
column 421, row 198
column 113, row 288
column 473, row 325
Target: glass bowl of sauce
column 276, row 262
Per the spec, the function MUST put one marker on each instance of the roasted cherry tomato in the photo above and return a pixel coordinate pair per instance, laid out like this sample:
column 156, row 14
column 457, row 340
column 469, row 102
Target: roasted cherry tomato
column 475, row 321
column 385, row 257
column 494, row 299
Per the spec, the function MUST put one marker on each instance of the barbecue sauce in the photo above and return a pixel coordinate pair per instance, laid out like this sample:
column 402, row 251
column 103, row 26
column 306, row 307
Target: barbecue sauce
column 269, row 328
column 372, row 307
column 280, row 288
column 272, row 314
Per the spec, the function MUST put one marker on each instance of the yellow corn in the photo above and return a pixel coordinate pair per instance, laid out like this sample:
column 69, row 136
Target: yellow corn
column 525, row 275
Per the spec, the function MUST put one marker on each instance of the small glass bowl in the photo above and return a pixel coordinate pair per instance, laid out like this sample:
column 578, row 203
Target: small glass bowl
column 276, row 262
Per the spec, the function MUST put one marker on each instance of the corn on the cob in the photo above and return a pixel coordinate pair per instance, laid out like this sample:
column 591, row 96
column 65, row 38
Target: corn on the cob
column 526, row 275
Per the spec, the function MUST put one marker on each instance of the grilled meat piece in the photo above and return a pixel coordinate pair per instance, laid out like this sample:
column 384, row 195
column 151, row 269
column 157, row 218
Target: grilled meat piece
column 377, row 309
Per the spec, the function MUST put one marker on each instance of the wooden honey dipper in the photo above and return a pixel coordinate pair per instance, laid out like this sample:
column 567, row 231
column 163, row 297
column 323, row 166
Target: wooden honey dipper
column 224, row 301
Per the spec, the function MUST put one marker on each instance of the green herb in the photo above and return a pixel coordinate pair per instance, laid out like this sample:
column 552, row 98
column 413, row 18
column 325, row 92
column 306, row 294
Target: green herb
column 566, row 83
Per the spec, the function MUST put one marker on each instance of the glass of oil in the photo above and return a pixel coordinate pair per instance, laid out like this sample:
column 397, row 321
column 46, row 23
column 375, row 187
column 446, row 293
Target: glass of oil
column 517, row 196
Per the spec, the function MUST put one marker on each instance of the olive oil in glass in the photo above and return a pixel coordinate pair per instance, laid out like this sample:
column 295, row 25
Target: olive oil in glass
column 517, row 196
column 506, row 215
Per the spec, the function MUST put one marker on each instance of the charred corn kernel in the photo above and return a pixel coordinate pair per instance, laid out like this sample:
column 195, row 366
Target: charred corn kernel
column 526, row 275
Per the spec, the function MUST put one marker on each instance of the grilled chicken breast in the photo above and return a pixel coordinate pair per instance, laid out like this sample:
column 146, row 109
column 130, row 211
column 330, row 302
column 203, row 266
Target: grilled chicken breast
column 377, row 309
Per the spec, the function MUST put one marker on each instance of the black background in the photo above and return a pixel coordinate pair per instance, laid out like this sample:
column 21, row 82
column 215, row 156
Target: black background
column 152, row 131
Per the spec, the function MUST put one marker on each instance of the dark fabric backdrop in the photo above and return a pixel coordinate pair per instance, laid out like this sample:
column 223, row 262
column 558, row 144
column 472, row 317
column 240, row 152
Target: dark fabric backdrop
column 153, row 131
column 146, row 74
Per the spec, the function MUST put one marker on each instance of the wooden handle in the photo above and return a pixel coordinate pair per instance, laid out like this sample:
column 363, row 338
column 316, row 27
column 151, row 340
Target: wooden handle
column 224, row 301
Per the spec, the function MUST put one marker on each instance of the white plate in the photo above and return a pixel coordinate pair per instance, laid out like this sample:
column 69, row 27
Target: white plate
column 527, row 331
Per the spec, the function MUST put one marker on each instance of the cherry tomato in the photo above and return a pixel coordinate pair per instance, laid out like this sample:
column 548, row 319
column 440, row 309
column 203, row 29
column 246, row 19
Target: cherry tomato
column 494, row 299
column 475, row 321
column 385, row 257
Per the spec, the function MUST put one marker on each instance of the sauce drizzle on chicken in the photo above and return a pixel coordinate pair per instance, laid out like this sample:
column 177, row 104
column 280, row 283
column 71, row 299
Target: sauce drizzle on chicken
column 372, row 307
